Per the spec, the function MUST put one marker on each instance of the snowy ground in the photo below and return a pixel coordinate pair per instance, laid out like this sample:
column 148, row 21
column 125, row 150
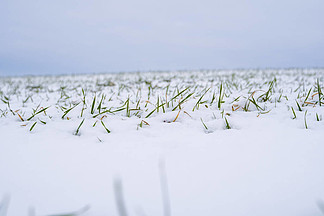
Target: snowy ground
column 205, row 142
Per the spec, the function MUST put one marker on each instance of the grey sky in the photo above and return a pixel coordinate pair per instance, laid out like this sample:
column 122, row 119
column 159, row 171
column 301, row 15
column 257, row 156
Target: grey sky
column 84, row 36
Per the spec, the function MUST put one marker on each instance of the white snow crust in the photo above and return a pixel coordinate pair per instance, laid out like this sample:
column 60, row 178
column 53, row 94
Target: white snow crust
column 219, row 153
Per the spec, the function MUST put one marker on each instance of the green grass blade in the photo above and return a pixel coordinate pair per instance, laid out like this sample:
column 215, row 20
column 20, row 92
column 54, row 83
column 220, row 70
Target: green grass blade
column 93, row 105
column 203, row 124
column 32, row 127
column 78, row 129
column 108, row 131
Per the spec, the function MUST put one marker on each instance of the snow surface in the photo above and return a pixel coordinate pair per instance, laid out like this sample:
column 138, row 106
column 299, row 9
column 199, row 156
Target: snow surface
column 268, row 163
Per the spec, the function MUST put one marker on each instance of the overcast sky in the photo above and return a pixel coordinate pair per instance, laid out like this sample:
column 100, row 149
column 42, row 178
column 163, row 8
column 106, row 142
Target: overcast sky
column 84, row 36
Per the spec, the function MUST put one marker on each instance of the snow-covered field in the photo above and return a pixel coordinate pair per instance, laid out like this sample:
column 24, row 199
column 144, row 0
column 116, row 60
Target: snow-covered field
column 230, row 143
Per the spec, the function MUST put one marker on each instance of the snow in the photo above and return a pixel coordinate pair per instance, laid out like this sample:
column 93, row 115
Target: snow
column 267, row 164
